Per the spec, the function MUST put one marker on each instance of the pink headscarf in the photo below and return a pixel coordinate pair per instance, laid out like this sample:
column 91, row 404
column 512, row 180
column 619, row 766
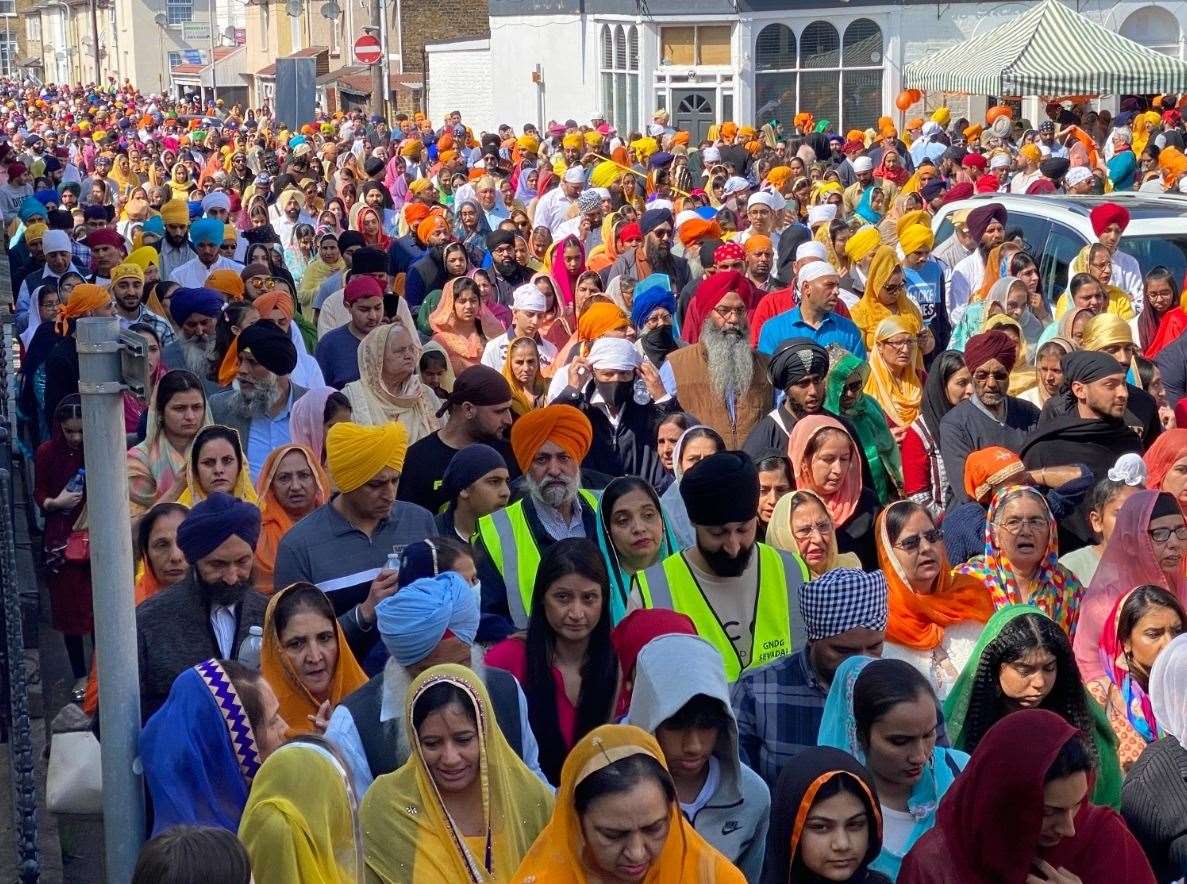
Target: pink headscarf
column 566, row 284
column 1128, row 562
column 395, row 182
column 307, row 421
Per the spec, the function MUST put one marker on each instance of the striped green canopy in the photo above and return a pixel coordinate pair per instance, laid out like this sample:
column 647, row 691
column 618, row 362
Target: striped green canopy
column 1049, row 50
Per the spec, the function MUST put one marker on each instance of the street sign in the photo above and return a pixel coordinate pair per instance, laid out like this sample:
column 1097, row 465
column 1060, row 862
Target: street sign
column 366, row 49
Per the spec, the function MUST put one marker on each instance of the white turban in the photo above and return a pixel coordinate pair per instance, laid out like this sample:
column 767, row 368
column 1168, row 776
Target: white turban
column 1077, row 175
column 815, row 270
column 574, row 175
column 710, row 155
column 821, row 214
column 863, row 164
column 999, row 161
column 216, row 199
column 685, row 216
column 55, row 241
column 614, row 354
column 811, row 249
column 761, row 198
column 528, row 297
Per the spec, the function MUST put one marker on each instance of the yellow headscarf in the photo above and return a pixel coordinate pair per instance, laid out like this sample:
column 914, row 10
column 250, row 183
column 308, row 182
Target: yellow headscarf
column 355, row 454
column 408, row 834
column 1117, row 301
column 1106, row 330
column 244, row 490
column 899, row 396
column 559, row 855
column 780, row 536
column 522, row 400
column 300, row 822
column 1023, row 376
column 869, row 311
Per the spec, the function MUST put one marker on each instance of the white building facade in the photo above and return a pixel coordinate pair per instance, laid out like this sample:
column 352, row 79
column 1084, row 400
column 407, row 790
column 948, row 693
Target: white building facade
column 744, row 60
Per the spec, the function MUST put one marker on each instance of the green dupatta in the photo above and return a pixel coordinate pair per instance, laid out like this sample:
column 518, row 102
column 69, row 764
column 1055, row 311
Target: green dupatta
column 873, row 434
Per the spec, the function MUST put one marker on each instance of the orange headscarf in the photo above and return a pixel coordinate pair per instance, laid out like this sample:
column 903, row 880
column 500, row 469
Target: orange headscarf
column 464, row 348
column 562, row 424
column 296, row 703
column 993, row 269
column 843, row 503
column 275, row 522
column 85, row 298
column 598, row 318
column 986, row 468
column 918, row 620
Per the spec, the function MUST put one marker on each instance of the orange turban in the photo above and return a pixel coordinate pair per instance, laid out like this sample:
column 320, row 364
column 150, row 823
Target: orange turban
column 680, row 138
column 430, row 224
column 85, row 298
column 447, row 156
column 277, row 299
column 228, row 282
column 694, row 231
column 986, row 468
column 599, row 318
column 779, row 176
column 757, row 243
column 729, row 130
column 561, row 424
column 445, row 142
column 414, row 213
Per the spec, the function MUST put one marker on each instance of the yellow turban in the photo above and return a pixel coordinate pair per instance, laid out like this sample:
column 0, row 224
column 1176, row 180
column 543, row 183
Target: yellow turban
column 604, row 174
column 915, row 237
column 572, row 141
column 355, row 454
column 35, row 232
column 176, row 212
column 411, row 149
column 599, row 318
column 915, row 216
column 593, row 139
column 1106, row 330
column 943, row 116
column 1031, row 152
column 746, row 132
column 230, row 234
column 779, row 176
column 126, row 270
column 228, row 282
column 562, row 424
column 528, row 143
column 643, row 148
column 419, row 186
column 144, row 256
column 864, row 240
column 291, row 193
column 85, row 298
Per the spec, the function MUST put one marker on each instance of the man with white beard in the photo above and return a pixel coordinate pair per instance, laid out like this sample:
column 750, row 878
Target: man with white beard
column 262, row 395
column 194, row 312
column 719, row 378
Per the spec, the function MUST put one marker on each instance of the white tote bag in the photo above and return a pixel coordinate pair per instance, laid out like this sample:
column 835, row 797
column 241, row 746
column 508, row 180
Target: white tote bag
column 74, row 780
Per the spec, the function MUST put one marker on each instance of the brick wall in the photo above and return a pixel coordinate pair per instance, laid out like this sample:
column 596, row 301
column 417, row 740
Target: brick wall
column 427, row 20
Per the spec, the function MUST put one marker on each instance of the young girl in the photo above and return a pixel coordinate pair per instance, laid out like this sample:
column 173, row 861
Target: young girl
column 1103, row 504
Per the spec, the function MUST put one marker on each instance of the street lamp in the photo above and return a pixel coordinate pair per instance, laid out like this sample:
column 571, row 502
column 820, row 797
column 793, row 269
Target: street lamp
column 160, row 19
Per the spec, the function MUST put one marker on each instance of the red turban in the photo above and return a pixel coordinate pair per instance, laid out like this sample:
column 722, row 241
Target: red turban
column 361, row 287
column 988, row 183
column 414, row 213
column 561, row 424
column 990, row 345
column 630, row 231
column 1108, row 213
column 709, row 294
column 973, row 161
column 1040, row 185
column 729, row 251
column 962, row 190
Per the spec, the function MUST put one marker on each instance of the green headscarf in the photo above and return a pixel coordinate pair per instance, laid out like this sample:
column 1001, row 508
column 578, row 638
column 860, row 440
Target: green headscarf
column 620, row 577
column 956, row 707
column 881, row 451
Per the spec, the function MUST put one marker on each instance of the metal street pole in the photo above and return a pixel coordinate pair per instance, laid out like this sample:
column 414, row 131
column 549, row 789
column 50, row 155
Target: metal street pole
column 378, row 87
column 213, row 66
column 112, row 578
column 95, row 37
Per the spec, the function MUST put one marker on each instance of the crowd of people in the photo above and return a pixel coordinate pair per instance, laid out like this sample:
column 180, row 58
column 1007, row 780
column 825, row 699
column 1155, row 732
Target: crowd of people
column 575, row 505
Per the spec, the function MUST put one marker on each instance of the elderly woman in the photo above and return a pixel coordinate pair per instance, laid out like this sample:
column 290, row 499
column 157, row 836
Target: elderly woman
column 801, row 524
column 896, row 373
column 389, row 387
column 292, row 484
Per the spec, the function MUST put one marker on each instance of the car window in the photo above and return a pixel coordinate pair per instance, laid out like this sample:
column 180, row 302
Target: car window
column 1063, row 244
column 945, row 229
column 1168, row 250
column 1034, row 230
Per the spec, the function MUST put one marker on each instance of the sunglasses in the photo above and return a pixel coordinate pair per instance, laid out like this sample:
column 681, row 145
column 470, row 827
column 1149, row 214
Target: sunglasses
column 912, row 542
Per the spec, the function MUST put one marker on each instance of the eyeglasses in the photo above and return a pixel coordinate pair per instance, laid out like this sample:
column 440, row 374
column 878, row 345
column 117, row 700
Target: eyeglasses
column 1162, row 535
column 1031, row 524
column 899, row 343
column 853, row 387
column 727, row 312
column 893, row 288
column 912, row 542
column 805, row 532
column 983, row 376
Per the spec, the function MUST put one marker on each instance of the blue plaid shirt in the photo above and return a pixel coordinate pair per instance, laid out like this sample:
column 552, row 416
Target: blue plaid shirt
column 779, row 708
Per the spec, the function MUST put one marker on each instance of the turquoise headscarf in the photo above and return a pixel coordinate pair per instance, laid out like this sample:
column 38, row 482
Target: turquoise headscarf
column 865, row 208
column 838, row 729
column 873, row 435
column 620, row 577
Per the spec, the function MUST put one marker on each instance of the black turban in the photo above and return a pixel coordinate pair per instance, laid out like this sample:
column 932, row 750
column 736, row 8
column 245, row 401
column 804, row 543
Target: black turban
column 795, row 359
column 478, row 385
column 497, row 238
column 1054, row 167
column 1086, row 366
column 720, row 489
column 981, row 217
column 271, row 346
column 349, row 238
column 215, row 520
column 368, row 260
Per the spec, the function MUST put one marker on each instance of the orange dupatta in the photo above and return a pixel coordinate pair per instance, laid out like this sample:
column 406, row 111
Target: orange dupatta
column 463, row 349
column 275, row 522
column 296, row 703
column 916, row 620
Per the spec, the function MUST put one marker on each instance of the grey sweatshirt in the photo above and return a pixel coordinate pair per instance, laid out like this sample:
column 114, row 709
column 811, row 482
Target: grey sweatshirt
column 670, row 671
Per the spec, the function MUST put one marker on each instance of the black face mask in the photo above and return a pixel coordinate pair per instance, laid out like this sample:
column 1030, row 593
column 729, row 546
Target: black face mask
column 616, row 393
column 723, row 564
column 659, row 341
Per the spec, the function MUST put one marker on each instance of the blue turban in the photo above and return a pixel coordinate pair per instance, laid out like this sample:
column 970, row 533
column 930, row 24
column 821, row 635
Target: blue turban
column 659, row 159
column 467, row 466
column 47, row 196
column 215, row 520
column 414, row 620
column 154, row 226
column 207, row 230
column 653, row 218
column 186, row 302
column 195, row 210
column 651, row 292
column 30, row 207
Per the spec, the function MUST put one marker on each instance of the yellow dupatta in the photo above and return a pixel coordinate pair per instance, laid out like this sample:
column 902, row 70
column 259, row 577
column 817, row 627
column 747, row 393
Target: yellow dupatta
column 407, row 833
column 300, row 823
column 869, row 311
column 1024, row 376
column 194, row 493
column 899, row 396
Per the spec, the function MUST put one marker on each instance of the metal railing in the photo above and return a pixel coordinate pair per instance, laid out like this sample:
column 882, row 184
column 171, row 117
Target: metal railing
column 15, row 727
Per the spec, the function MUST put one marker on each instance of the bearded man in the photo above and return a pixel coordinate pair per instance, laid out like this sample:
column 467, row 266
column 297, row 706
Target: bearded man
column 654, row 254
column 194, row 312
column 175, row 247
column 508, row 273
column 262, row 394
column 719, row 378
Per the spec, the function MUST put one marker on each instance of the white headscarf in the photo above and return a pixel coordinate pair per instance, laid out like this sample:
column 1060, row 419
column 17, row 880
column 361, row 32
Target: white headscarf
column 1168, row 687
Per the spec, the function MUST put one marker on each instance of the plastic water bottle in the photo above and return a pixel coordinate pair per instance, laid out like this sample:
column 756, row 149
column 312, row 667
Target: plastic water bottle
column 77, row 482
column 249, row 649
column 640, row 393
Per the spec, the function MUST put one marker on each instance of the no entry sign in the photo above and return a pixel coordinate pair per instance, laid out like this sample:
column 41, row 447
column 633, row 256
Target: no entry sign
column 366, row 49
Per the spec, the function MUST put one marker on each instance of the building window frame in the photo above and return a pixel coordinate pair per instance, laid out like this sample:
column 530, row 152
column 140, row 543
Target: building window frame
column 618, row 74
column 179, row 11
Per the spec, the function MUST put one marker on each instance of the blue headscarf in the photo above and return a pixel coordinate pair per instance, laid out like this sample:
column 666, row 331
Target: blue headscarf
column 838, row 729
column 45, row 197
column 207, row 230
column 620, row 577
column 651, row 292
column 199, row 752
column 414, row 620
column 865, row 208
column 30, row 207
